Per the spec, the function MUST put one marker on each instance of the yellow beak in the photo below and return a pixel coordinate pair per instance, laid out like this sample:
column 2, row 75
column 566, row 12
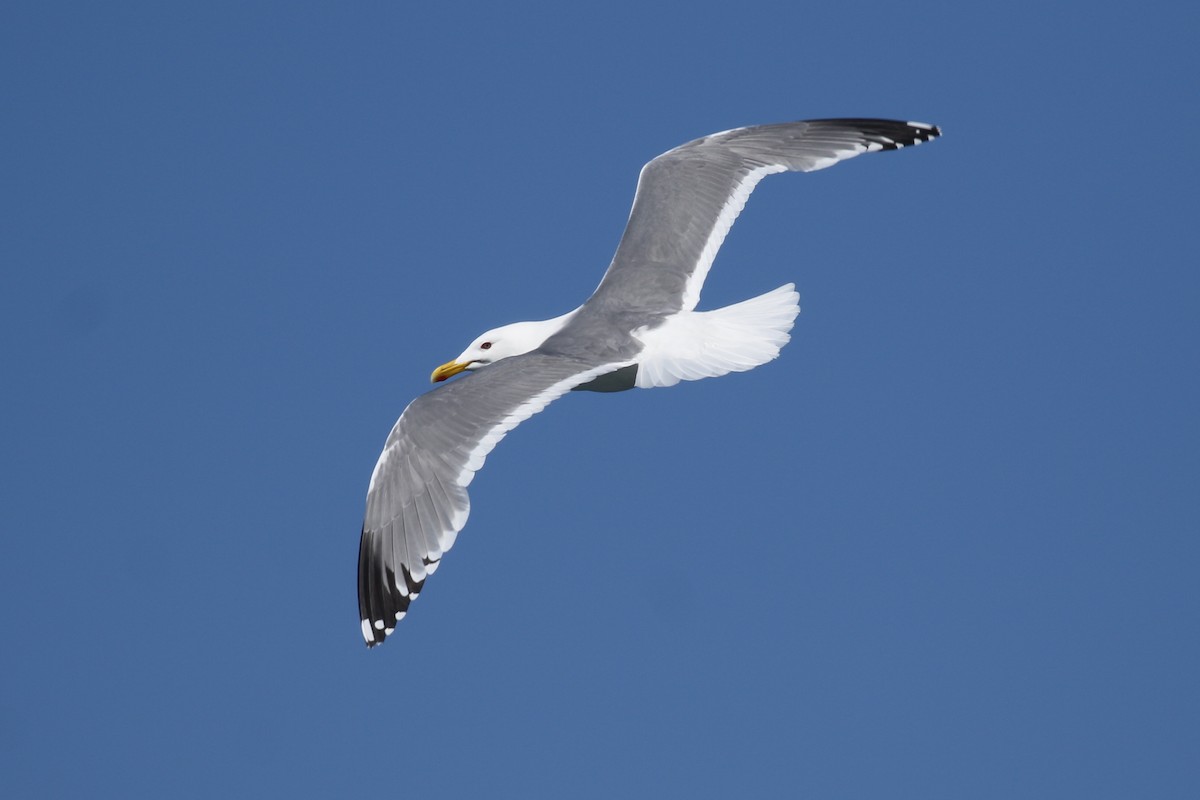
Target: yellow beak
column 448, row 370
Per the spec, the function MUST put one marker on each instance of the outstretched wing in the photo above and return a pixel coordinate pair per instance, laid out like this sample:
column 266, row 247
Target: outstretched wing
column 688, row 198
column 417, row 500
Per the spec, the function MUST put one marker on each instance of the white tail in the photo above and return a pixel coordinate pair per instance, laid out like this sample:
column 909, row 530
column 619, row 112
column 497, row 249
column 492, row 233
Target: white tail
column 704, row 344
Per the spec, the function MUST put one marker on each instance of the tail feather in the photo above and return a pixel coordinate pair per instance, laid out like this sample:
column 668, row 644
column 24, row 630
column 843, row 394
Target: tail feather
column 704, row 344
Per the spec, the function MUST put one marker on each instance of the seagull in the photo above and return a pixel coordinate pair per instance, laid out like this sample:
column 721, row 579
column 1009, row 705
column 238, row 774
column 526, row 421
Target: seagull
column 640, row 328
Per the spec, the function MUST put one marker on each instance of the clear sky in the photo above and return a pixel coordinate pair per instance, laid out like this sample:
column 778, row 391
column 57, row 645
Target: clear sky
column 946, row 546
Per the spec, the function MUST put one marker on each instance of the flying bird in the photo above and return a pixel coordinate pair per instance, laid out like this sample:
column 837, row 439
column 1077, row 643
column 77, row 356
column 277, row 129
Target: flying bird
column 638, row 329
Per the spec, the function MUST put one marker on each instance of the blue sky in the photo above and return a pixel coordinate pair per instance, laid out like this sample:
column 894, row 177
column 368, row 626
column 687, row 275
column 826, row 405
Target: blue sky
column 946, row 546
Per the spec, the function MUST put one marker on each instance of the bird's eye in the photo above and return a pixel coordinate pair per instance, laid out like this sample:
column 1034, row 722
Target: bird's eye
column 485, row 346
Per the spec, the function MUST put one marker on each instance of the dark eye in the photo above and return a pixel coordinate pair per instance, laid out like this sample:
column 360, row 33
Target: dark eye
column 485, row 346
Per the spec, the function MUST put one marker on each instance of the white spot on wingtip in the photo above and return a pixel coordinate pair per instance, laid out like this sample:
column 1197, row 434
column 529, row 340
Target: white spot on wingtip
column 400, row 615
column 378, row 624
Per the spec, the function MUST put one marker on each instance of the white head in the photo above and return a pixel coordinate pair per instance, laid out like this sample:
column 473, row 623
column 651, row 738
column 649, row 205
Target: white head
column 502, row 342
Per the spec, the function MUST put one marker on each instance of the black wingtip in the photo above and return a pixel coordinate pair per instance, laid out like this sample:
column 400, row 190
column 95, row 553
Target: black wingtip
column 924, row 132
column 885, row 134
column 380, row 603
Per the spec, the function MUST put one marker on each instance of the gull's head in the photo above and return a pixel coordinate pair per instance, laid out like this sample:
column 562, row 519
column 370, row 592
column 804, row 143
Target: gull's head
column 498, row 343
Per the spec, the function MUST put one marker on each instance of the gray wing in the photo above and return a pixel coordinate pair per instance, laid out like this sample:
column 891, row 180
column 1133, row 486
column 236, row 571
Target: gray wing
column 417, row 500
column 688, row 198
